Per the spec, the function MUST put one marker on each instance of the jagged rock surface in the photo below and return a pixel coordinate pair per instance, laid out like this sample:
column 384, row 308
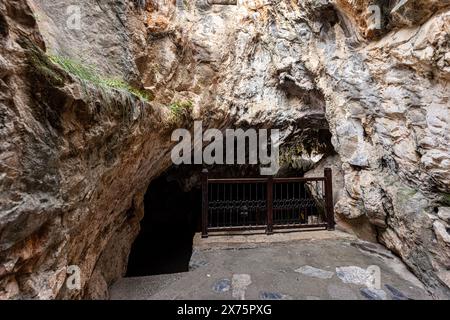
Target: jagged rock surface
column 74, row 169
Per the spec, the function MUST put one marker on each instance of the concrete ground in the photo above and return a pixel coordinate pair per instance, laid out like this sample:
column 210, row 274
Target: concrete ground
column 301, row 265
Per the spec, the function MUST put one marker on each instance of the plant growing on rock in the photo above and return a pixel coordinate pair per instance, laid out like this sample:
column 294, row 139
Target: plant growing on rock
column 90, row 74
column 180, row 112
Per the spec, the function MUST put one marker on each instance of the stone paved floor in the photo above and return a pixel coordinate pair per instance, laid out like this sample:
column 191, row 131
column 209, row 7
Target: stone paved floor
column 323, row 265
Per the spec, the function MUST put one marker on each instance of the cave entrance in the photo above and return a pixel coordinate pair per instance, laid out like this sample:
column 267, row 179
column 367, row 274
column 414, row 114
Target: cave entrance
column 173, row 206
column 171, row 218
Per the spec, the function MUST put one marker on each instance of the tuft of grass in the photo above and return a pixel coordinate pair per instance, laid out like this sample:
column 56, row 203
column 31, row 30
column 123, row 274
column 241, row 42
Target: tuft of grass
column 41, row 64
column 181, row 107
column 90, row 74
column 445, row 199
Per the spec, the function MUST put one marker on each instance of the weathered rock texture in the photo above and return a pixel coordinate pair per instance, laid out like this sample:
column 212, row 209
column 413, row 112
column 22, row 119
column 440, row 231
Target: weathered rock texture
column 75, row 160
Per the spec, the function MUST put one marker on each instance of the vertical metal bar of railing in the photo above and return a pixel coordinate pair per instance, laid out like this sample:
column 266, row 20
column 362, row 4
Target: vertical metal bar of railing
column 269, row 210
column 205, row 203
column 329, row 198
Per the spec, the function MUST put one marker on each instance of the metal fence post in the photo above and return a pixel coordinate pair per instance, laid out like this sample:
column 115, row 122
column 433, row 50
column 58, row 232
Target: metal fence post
column 329, row 198
column 205, row 202
column 269, row 205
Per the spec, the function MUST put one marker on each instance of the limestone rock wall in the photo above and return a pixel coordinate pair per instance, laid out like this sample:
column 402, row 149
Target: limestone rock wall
column 72, row 161
column 75, row 163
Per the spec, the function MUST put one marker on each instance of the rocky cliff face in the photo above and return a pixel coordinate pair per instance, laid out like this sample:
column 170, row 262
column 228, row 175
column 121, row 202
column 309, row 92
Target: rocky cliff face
column 76, row 156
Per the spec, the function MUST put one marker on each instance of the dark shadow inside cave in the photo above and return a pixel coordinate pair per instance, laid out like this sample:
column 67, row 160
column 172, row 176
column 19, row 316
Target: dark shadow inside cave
column 172, row 206
column 172, row 216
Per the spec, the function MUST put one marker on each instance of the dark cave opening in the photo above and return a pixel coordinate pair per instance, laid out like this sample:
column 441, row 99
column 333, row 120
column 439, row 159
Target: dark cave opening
column 172, row 216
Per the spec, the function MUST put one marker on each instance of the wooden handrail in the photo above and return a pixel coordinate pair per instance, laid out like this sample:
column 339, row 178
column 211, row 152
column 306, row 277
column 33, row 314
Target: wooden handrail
column 264, row 180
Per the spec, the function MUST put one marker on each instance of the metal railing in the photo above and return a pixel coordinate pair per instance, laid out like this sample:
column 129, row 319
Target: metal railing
column 266, row 203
